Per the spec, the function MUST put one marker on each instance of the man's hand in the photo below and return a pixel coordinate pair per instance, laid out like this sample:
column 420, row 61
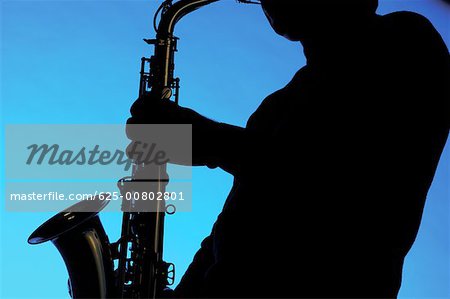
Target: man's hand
column 151, row 110
column 213, row 144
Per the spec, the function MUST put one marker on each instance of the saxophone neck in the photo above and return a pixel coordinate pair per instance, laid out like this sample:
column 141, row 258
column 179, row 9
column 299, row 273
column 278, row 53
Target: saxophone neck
column 172, row 13
column 160, row 79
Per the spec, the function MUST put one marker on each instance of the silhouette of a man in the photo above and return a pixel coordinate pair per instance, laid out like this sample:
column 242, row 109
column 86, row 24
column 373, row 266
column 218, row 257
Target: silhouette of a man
column 331, row 171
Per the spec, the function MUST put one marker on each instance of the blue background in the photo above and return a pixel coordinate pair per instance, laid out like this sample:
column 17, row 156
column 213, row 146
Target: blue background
column 77, row 62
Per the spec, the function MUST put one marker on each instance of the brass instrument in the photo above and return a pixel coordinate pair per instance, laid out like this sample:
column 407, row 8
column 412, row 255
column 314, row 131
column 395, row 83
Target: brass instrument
column 80, row 237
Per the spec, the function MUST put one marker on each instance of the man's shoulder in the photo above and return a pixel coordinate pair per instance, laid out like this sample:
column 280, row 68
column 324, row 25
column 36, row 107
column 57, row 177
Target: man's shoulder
column 412, row 40
column 300, row 78
column 410, row 25
column 274, row 104
column 424, row 62
column 406, row 18
column 267, row 110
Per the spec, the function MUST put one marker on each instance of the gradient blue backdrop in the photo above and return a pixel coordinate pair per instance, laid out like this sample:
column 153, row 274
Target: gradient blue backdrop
column 77, row 62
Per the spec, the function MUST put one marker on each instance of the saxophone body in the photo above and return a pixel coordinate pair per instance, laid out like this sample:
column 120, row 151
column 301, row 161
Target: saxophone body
column 80, row 238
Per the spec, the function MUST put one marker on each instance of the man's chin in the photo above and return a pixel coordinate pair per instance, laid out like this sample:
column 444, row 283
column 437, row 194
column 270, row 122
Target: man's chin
column 293, row 38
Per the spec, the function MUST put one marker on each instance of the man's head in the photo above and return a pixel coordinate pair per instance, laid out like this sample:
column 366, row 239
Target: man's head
column 300, row 19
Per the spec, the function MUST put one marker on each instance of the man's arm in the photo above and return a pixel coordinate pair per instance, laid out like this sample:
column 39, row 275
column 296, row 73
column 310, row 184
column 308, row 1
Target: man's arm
column 229, row 147
column 214, row 144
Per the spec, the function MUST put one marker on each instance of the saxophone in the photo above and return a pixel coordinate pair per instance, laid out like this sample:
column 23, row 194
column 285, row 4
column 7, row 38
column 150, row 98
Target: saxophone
column 80, row 237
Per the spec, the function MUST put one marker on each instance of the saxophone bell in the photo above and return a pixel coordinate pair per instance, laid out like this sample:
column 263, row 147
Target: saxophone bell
column 82, row 242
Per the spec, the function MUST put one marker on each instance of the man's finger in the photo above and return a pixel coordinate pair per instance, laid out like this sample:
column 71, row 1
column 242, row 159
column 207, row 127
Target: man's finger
column 134, row 128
